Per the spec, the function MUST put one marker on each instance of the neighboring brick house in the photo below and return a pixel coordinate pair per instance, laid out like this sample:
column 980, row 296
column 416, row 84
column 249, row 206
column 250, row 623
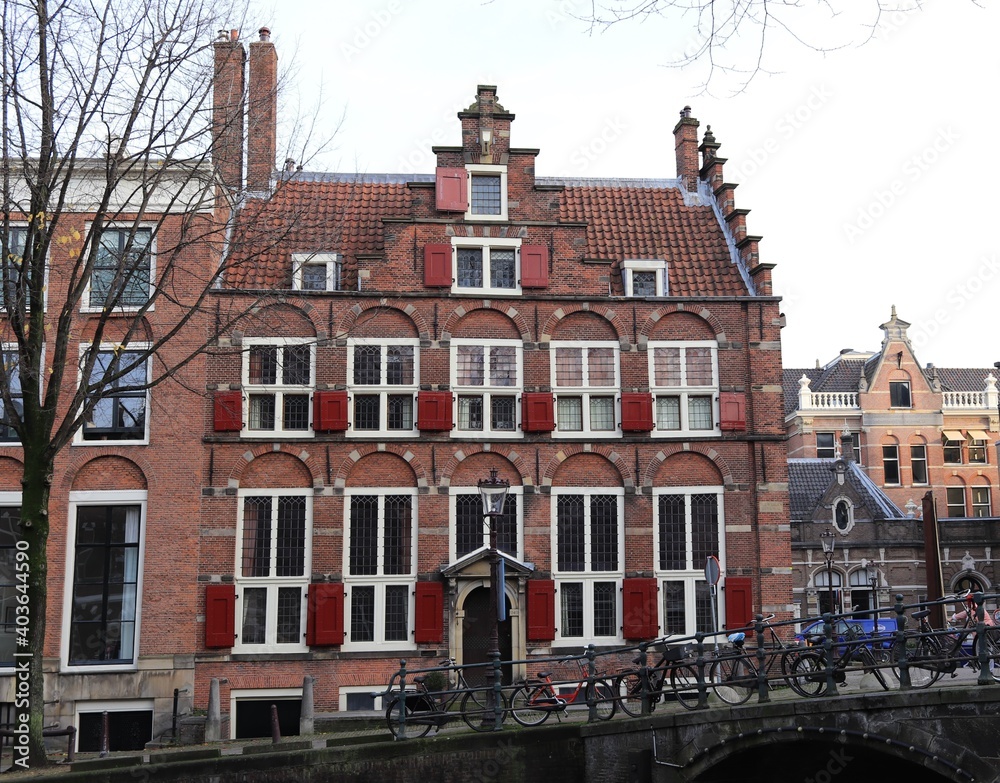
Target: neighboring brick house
column 610, row 346
column 913, row 430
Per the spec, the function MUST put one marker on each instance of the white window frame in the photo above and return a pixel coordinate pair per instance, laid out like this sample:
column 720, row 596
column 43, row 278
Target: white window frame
column 257, row 694
column 979, row 448
column 129, row 497
column 487, row 390
column 97, row 707
column 909, row 393
column 10, row 500
column 380, row 581
column 632, row 265
column 474, row 169
column 587, row 577
column 684, row 392
column 379, row 702
column 885, row 461
column 45, row 285
column 272, row 583
column 277, row 389
column 832, row 447
column 923, row 460
column 987, row 506
column 78, row 438
column 453, row 494
column 7, row 348
column 485, row 244
column 331, row 262
column 383, row 389
column 949, row 505
column 693, row 573
column 148, row 305
column 585, row 391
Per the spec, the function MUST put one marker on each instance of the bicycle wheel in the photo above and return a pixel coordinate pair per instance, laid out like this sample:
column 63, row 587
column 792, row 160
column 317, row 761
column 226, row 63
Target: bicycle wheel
column 604, row 695
column 807, row 673
column 531, row 704
column 418, row 722
column 684, row 684
column 733, row 680
column 871, row 665
column 919, row 650
column 477, row 712
column 628, row 688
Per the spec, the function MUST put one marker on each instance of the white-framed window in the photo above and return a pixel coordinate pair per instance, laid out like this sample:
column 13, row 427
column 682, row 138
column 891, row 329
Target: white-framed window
column 103, row 597
column 383, row 377
column 689, row 527
column 953, row 448
column 843, row 515
column 899, row 394
column 470, row 531
column 250, row 711
column 645, row 277
column 278, row 380
column 955, row 498
column 585, row 380
column 273, row 559
column 123, row 271
column 353, row 698
column 918, row 463
column 10, row 519
column 486, row 266
column 589, row 564
column 10, row 361
column 11, row 268
column 316, row 271
column 977, row 451
column 130, row 724
column 380, row 554
column 826, row 447
column 486, row 379
column 119, row 403
column 890, row 464
column 684, row 379
column 981, row 501
column 487, row 192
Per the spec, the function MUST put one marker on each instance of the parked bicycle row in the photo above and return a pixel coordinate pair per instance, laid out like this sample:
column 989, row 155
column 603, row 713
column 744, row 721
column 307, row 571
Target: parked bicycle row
column 696, row 671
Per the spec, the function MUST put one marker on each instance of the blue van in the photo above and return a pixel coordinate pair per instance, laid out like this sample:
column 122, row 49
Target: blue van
column 884, row 629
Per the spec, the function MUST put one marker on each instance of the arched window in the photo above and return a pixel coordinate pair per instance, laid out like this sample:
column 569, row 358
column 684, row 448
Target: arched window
column 843, row 515
column 828, row 588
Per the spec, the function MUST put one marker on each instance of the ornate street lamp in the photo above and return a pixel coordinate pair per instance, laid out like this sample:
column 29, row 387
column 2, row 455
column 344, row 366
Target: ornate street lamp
column 494, row 494
column 829, row 541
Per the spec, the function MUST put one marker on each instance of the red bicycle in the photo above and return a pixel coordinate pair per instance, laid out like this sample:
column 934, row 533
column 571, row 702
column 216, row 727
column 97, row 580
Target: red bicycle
column 532, row 703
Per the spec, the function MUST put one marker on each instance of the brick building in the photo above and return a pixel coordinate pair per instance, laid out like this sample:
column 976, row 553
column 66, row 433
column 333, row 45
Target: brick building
column 611, row 347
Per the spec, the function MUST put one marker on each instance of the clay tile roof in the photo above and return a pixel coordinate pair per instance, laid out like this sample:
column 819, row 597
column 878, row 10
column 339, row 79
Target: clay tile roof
column 649, row 220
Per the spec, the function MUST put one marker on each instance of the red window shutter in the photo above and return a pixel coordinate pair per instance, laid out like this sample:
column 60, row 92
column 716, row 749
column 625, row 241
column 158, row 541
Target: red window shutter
column 228, row 411
column 739, row 602
column 639, row 620
column 429, row 623
column 433, row 411
column 732, row 411
column 451, row 189
column 541, row 610
column 637, row 412
column 330, row 411
column 534, row 266
column 325, row 614
column 537, row 412
column 220, row 615
column 437, row 266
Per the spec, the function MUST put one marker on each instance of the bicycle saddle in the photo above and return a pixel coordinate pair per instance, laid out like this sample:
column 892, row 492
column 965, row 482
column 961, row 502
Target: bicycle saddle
column 543, row 675
column 921, row 614
column 737, row 638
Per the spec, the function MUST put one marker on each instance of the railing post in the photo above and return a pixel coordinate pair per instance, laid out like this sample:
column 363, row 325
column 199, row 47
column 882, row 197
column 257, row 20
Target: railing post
column 644, row 679
column 275, row 725
column 497, row 692
column 591, row 684
column 71, row 749
column 831, row 684
column 700, row 663
column 763, row 694
column 401, row 723
column 105, row 735
column 982, row 653
column 899, row 648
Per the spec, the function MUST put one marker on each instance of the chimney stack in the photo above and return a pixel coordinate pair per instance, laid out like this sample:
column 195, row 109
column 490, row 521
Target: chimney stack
column 686, row 149
column 227, row 110
column 262, row 112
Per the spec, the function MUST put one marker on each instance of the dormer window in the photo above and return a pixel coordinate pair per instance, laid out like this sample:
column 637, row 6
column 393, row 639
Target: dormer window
column 641, row 277
column 316, row 271
column 487, row 192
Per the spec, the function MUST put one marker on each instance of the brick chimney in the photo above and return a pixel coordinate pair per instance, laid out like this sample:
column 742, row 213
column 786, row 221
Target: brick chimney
column 262, row 112
column 227, row 110
column 686, row 149
column 485, row 128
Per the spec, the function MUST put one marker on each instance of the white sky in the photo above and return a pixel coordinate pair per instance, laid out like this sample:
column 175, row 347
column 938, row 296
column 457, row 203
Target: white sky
column 869, row 170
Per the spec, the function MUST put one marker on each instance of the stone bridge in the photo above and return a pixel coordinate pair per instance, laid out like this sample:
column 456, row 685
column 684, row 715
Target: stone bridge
column 940, row 734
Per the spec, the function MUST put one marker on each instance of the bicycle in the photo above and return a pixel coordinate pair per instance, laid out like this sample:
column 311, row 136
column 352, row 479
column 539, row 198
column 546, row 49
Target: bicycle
column 807, row 669
column 734, row 677
column 931, row 654
column 425, row 708
column 533, row 702
column 674, row 664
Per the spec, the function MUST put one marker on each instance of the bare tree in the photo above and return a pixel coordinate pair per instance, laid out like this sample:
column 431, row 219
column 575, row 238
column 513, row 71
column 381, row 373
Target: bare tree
column 108, row 124
column 732, row 37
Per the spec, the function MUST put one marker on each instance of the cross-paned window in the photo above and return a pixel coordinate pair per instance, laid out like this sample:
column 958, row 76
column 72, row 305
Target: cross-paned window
column 10, row 518
column 981, row 501
column 487, row 379
column 278, row 380
column 316, row 271
column 383, row 383
column 918, row 463
column 380, row 567
column 977, row 452
column 486, row 266
column 116, row 398
column 12, row 377
column 826, row 447
column 472, row 529
column 123, row 269
column 953, row 450
column 585, row 380
column 487, row 192
column 955, row 497
column 890, row 464
column 273, row 569
column 685, row 386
